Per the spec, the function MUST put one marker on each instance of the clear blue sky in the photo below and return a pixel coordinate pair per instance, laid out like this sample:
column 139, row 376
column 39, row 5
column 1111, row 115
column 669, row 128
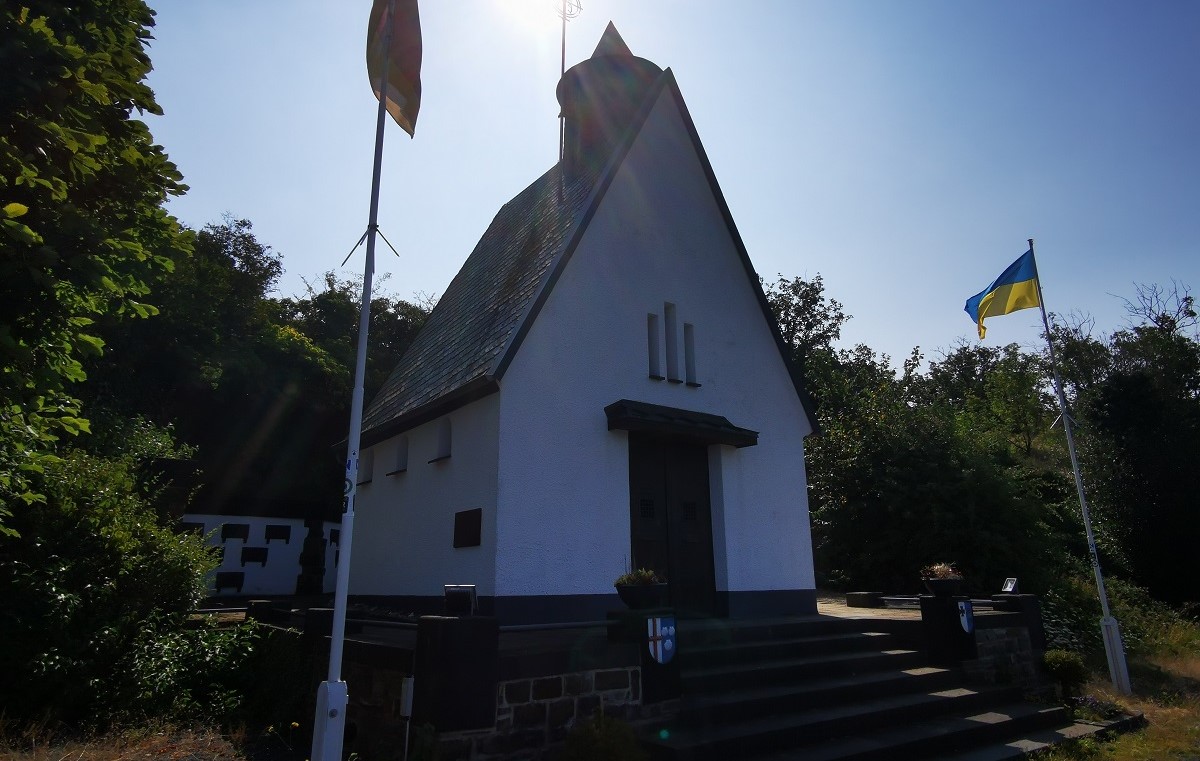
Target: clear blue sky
column 903, row 150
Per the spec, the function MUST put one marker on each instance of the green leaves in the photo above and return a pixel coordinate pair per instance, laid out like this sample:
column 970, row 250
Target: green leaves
column 100, row 585
column 895, row 480
column 82, row 231
column 19, row 232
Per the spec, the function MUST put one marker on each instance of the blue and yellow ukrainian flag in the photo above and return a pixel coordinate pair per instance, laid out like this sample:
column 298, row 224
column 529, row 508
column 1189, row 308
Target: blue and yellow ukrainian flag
column 1016, row 288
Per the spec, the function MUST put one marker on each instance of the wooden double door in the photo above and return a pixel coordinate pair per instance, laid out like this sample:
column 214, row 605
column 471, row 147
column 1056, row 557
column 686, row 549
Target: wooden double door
column 671, row 518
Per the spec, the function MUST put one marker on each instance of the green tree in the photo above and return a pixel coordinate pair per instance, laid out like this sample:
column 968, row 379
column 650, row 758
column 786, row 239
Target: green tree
column 330, row 315
column 1000, row 395
column 82, row 224
column 1137, row 400
column 895, row 480
column 253, row 395
column 259, row 386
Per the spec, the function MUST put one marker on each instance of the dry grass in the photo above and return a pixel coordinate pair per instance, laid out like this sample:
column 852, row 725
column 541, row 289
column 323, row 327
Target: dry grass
column 132, row 745
column 1167, row 692
column 148, row 744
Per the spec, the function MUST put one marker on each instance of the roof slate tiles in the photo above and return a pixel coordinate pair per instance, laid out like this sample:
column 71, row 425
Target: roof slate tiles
column 474, row 321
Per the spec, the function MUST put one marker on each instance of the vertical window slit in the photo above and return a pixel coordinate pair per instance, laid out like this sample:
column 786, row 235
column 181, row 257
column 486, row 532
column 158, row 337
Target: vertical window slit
column 653, row 347
column 672, row 342
column 689, row 354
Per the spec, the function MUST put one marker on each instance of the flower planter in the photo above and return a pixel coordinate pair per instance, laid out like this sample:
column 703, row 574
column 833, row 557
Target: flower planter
column 643, row 596
column 943, row 587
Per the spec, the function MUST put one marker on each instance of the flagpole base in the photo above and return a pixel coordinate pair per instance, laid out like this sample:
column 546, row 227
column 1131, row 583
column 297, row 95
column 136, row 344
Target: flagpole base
column 1114, row 648
column 329, row 723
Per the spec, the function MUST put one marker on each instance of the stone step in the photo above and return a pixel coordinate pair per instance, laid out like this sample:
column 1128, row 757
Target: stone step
column 752, row 701
column 715, row 631
column 774, row 649
column 931, row 737
column 792, row 670
column 1029, row 743
column 776, row 733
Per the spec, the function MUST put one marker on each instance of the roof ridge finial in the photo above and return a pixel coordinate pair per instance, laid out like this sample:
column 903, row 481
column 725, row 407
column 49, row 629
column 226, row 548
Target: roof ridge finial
column 611, row 44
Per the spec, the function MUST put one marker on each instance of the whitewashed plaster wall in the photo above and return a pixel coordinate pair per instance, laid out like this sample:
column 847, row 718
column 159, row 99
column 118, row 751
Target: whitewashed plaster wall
column 657, row 236
column 404, row 522
column 278, row 575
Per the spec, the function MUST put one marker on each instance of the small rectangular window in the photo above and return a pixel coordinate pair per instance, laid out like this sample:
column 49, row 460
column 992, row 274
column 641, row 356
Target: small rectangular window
column 279, row 531
column 230, row 580
column 468, row 528
column 254, row 555
column 235, row 531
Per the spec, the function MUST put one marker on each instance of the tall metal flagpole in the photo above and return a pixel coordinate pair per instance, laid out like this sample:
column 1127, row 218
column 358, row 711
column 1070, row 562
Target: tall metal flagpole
column 329, row 721
column 1118, row 670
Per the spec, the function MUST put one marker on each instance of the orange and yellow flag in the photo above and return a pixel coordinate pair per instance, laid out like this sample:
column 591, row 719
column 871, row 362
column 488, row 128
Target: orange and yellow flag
column 400, row 53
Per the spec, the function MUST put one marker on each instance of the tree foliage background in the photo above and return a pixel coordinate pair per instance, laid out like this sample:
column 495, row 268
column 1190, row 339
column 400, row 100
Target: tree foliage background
column 127, row 343
column 967, row 461
column 82, row 223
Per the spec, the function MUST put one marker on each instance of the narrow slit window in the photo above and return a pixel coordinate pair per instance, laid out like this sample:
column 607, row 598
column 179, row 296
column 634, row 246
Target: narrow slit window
column 653, row 347
column 443, row 440
column 401, row 461
column 671, row 342
column 689, row 354
column 366, row 466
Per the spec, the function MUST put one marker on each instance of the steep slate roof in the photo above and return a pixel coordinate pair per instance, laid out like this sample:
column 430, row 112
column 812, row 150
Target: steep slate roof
column 477, row 326
column 453, row 359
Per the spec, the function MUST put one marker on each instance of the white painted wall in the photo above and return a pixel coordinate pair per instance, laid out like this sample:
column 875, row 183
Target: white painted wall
column 404, row 522
column 278, row 576
column 563, row 478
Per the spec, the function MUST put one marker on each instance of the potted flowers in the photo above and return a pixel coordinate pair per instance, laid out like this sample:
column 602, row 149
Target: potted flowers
column 942, row 579
column 641, row 588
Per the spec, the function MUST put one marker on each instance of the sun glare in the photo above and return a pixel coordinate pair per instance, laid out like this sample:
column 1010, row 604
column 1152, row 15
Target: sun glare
column 531, row 16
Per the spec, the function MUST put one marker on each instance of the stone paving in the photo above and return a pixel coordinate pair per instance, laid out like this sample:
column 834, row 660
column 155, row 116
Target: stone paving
column 831, row 604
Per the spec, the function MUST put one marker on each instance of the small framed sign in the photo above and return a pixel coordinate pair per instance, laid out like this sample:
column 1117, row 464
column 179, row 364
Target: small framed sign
column 1010, row 585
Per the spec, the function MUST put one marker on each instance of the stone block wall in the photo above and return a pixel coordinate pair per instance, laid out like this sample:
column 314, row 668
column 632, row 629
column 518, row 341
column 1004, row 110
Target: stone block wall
column 1005, row 656
column 536, row 713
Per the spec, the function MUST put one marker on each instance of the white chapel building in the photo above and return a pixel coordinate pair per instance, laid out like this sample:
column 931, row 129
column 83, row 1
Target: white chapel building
column 602, row 387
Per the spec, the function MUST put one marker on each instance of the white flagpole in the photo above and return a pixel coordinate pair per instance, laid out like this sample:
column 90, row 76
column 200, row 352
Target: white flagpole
column 1118, row 669
column 329, row 721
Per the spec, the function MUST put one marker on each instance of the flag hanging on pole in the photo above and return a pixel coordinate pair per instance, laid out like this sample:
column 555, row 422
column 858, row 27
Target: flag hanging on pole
column 1016, row 288
column 400, row 52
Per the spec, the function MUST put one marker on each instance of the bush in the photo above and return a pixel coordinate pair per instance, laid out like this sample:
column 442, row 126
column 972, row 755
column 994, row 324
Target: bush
column 97, row 587
column 1068, row 669
column 1071, row 615
column 603, row 738
column 185, row 673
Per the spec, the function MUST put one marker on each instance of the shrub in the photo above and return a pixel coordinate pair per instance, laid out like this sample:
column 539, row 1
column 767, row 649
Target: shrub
column 185, row 673
column 96, row 588
column 1071, row 615
column 603, row 738
column 1068, row 669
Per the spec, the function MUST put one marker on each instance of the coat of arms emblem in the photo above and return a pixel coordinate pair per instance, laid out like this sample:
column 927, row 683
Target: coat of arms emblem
column 966, row 616
column 660, row 637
